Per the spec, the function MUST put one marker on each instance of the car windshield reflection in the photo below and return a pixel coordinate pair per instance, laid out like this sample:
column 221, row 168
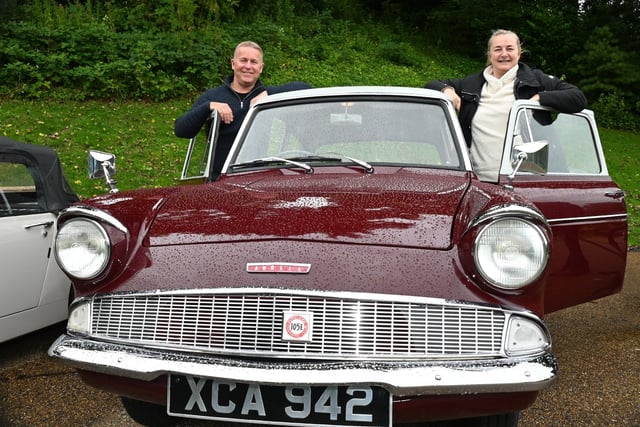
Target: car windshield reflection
column 363, row 132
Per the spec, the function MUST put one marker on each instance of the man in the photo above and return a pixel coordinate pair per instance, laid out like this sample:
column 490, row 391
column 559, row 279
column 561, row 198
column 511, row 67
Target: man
column 232, row 100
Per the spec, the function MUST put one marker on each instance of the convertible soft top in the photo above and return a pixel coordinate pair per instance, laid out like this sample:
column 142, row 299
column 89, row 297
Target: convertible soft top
column 45, row 167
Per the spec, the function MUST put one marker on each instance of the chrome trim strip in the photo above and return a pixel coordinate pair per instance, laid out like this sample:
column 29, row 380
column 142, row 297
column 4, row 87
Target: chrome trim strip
column 504, row 211
column 588, row 218
column 87, row 211
column 400, row 379
column 319, row 293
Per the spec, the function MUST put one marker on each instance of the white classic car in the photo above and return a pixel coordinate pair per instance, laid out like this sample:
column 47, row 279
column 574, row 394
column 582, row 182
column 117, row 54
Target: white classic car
column 34, row 292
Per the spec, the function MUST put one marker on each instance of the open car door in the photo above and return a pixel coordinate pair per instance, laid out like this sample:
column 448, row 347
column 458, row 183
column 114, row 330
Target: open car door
column 569, row 182
column 198, row 162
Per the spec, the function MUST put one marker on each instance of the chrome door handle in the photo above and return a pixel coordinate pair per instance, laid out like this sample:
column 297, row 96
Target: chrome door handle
column 45, row 224
column 615, row 194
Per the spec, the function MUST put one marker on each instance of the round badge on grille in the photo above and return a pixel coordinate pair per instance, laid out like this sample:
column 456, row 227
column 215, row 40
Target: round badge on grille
column 297, row 325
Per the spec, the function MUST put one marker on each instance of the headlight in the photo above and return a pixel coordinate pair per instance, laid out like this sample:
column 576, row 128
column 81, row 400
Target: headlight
column 82, row 248
column 510, row 253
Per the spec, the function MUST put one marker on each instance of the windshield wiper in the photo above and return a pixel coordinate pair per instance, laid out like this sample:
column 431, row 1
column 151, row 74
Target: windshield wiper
column 271, row 160
column 336, row 157
column 299, row 162
column 366, row 166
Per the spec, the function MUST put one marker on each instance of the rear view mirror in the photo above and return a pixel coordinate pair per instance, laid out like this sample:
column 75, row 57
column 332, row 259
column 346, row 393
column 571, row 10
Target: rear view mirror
column 355, row 119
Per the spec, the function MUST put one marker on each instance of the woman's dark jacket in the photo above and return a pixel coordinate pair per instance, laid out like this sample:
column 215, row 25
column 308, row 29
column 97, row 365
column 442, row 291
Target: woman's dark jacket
column 554, row 93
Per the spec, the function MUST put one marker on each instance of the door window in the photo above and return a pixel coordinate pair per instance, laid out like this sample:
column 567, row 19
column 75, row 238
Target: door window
column 19, row 194
column 571, row 145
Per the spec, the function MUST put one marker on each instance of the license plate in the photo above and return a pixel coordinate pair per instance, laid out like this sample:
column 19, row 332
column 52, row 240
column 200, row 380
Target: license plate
column 298, row 405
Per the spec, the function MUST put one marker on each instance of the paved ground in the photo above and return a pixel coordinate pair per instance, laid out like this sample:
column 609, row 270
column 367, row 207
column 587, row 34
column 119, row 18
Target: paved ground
column 597, row 345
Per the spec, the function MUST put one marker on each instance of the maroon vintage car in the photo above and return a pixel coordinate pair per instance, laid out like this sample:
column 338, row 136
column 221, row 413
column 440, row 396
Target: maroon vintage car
column 345, row 267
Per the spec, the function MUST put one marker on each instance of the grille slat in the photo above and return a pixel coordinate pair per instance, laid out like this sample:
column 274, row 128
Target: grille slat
column 251, row 324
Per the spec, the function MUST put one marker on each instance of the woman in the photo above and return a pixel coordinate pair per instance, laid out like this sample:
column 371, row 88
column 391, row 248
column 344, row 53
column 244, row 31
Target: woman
column 484, row 99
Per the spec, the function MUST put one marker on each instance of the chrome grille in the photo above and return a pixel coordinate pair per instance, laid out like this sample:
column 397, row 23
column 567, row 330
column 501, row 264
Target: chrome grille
column 251, row 322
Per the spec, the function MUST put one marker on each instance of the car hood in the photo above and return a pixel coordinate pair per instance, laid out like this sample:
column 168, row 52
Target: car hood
column 403, row 207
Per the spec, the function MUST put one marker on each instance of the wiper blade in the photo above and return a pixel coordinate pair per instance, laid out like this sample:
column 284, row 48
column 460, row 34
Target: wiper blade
column 300, row 162
column 338, row 157
column 366, row 166
column 271, row 160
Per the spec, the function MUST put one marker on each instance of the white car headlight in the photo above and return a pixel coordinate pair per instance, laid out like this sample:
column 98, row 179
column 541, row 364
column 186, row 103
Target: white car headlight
column 510, row 253
column 82, row 248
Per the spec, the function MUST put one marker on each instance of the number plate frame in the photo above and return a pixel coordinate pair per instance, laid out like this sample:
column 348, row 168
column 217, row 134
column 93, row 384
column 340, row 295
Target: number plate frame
column 297, row 405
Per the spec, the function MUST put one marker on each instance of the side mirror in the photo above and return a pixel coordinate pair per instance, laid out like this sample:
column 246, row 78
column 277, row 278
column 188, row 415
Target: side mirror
column 103, row 165
column 530, row 157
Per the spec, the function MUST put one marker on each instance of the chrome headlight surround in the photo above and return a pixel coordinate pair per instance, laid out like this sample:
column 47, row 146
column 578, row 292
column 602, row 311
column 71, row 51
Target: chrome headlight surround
column 82, row 248
column 511, row 250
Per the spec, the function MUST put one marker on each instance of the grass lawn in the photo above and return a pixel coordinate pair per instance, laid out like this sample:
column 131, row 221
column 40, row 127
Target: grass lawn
column 149, row 155
column 622, row 151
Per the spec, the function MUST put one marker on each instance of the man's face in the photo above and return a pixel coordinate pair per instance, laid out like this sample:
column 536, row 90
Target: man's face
column 504, row 54
column 247, row 66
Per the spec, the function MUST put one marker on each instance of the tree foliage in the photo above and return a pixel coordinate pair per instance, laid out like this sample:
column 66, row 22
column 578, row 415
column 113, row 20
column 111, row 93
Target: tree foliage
column 592, row 43
column 159, row 49
column 90, row 61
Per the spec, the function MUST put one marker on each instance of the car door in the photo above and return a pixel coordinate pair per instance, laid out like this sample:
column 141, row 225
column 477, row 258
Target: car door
column 198, row 162
column 25, row 237
column 569, row 182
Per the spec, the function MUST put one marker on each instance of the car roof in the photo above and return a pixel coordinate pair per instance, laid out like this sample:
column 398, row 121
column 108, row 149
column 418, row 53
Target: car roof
column 356, row 91
column 46, row 168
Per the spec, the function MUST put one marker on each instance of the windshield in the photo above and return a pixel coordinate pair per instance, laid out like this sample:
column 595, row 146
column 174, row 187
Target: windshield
column 389, row 132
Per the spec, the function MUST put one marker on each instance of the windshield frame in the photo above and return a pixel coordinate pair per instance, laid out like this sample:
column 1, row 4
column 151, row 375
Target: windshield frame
column 448, row 123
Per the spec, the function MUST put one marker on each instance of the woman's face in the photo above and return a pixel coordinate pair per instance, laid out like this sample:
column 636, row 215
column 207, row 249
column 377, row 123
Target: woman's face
column 504, row 53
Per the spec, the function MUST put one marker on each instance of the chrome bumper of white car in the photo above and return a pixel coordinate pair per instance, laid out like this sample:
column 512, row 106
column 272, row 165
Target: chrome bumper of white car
column 399, row 378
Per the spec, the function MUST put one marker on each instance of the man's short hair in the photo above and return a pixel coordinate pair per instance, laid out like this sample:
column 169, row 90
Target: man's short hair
column 248, row 43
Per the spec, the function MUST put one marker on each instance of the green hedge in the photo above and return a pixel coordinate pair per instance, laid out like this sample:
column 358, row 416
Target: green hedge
column 93, row 62
column 157, row 50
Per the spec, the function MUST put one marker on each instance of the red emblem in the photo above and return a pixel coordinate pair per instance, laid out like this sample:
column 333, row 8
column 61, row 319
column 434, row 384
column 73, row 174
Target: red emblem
column 278, row 267
column 297, row 326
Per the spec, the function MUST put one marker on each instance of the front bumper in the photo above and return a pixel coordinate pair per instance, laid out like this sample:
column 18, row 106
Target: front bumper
column 504, row 375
